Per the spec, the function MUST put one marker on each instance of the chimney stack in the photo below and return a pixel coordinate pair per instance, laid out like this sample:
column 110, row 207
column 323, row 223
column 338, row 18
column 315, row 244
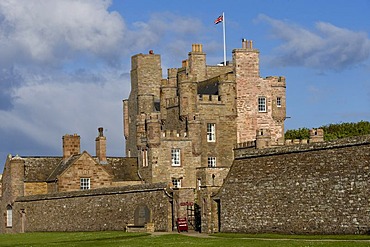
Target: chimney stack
column 101, row 147
column 71, row 145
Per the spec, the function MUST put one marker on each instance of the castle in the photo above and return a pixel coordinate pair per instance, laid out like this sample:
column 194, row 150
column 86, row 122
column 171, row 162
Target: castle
column 206, row 144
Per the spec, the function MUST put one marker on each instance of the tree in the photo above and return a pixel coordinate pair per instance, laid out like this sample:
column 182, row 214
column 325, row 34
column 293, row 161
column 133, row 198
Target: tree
column 333, row 131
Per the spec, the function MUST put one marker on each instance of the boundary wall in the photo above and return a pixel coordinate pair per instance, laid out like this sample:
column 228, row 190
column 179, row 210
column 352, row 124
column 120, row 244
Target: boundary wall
column 319, row 188
column 95, row 210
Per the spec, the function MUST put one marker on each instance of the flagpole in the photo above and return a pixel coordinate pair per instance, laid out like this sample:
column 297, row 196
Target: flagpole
column 223, row 27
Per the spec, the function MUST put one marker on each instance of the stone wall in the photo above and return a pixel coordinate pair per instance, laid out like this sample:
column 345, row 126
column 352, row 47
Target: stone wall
column 94, row 210
column 320, row 188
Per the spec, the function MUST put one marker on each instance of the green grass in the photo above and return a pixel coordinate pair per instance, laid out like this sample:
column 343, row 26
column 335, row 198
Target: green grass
column 116, row 239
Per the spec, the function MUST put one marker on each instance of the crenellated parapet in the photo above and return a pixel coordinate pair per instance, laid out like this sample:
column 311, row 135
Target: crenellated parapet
column 174, row 135
column 173, row 102
column 206, row 98
column 277, row 81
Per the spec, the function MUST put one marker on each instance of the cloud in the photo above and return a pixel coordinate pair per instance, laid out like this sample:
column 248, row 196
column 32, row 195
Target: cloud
column 327, row 47
column 64, row 68
column 45, row 110
column 52, row 31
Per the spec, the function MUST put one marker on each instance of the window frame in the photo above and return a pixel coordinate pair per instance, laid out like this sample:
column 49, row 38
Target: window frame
column 9, row 216
column 176, row 183
column 212, row 161
column 211, row 132
column 85, row 183
column 144, row 158
column 278, row 101
column 262, row 104
column 175, row 157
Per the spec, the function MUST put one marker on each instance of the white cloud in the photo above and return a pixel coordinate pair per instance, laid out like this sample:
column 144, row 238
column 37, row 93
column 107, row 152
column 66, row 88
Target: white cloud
column 44, row 110
column 64, row 69
column 326, row 48
column 50, row 31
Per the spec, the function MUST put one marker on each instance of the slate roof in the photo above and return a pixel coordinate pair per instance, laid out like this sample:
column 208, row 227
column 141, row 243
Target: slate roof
column 38, row 169
column 42, row 169
column 209, row 87
column 62, row 166
column 123, row 168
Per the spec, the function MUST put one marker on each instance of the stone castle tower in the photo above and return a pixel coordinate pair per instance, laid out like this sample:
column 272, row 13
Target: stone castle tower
column 183, row 129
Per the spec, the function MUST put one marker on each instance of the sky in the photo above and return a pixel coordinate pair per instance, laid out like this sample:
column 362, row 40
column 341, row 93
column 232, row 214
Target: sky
column 65, row 64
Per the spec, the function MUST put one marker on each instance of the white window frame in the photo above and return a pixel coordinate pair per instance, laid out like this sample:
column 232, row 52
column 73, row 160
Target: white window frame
column 211, row 162
column 144, row 158
column 175, row 157
column 278, row 101
column 211, row 132
column 84, row 183
column 176, row 182
column 262, row 104
column 9, row 216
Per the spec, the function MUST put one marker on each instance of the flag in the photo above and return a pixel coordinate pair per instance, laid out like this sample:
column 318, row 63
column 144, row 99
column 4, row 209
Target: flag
column 219, row 19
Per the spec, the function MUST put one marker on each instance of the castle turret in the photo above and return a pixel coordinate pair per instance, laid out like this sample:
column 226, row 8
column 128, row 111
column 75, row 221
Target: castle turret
column 146, row 78
column 101, row 147
column 263, row 138
column 71, row 145
column 16, row 177
column 316, row 135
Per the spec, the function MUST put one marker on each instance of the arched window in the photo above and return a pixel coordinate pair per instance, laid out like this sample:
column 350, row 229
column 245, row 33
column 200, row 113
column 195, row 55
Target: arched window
column 9, row 216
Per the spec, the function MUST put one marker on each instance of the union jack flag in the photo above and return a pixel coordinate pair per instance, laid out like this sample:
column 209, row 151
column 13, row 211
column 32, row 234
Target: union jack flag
column 219, row 19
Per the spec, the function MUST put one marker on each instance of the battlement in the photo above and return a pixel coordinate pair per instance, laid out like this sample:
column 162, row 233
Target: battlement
column 248, row 144
column 172, row 102
column 209, row 98
column 296, row 141
column 153, row 116
column 173, row 134
column 277, row 80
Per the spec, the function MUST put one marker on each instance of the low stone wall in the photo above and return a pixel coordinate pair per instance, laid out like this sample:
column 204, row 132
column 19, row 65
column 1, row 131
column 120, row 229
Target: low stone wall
column 95, row 210
column 320, row 188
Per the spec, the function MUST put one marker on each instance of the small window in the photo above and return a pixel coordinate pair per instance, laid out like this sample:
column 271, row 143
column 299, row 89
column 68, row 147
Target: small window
column 176, row 183
column 211, row 132
column 199, row 183
column 278, row 101
column 9, row 216
column 144, row 157
column 84, row 183
column 261, row 104
column 211, row 161
column 175, row 157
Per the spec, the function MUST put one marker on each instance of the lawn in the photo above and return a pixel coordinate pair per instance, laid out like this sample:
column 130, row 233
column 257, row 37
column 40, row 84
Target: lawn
column 178, row 240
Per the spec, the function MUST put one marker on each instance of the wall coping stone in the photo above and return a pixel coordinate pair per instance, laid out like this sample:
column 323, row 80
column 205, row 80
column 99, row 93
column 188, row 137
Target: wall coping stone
column 339, row 143
column 96, row 192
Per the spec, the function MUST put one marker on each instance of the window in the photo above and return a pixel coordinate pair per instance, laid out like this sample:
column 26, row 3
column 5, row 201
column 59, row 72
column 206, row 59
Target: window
column 144, row 157
column 261, row 104
column 211, row 161
column 278, row 101
column 176, row 183
column 211, row 132
column 84, row 183
column 199, row 183
column 175, row 157
column 9, row 216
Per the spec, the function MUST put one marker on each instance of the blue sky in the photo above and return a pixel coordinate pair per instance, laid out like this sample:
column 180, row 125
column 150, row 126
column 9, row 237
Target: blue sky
column 64, row 64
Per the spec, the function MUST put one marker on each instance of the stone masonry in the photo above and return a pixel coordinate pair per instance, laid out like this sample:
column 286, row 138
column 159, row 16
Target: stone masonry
column 317, row 188
column 183, row 129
